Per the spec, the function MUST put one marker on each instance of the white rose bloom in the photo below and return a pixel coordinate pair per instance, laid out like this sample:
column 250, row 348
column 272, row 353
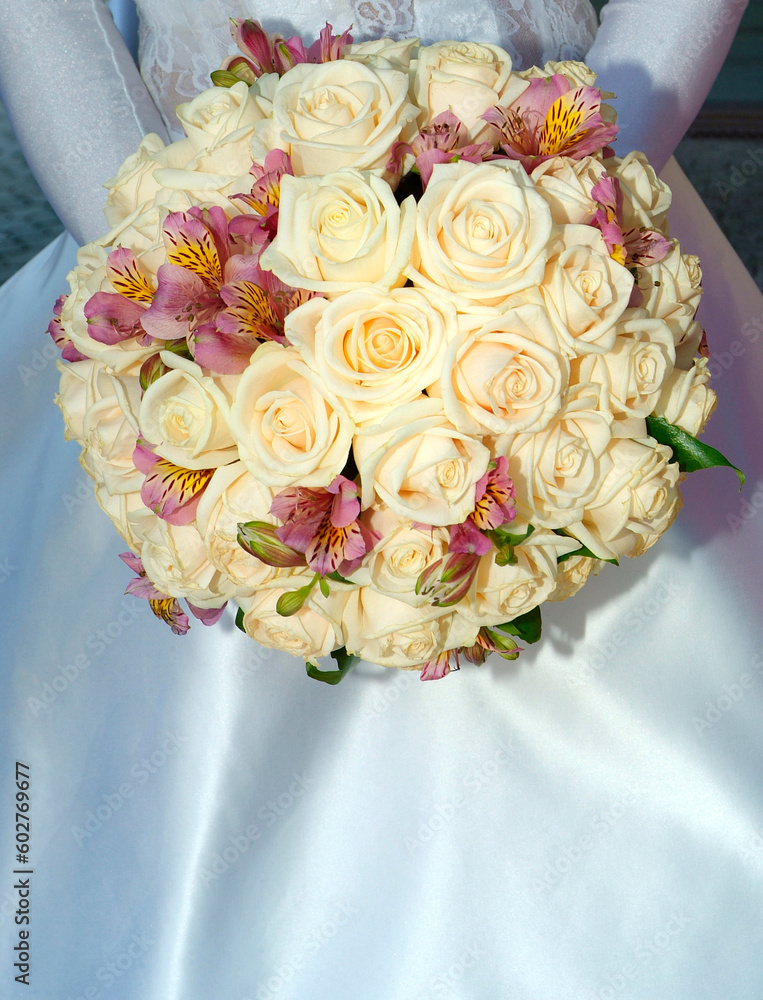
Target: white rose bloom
column 383, row 53
column 572, row 575
column 559, row 470
column 419, row 465
column 288, row 427
column 501, row 593
column 646, row 199
column 466, row 78
column 184, row 415
column 374, row 350
column 175, row 560
column 395, row 563
column 481, row 234
column 233, row 496
column 567, row 187
column 503, row 374
column 220, row 124
column 578, row 74
column 337, row 114
column 315, row 630
column 394, row 634
column 585, row 290
column 341, row 231
column 686, row 399
column 134, row 185
column 103, row 424
column 120, row 508
column 671, row 291
column 635, row 369
column 636, row 503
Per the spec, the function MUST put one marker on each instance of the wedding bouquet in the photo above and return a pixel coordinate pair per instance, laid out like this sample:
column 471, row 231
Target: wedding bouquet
column 390, row 349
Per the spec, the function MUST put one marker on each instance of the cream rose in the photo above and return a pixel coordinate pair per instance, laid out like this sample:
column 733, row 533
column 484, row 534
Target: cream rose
column 184, row 415
column 646, row 199
column 578, row 74
column 289, row 428
column 176, row 561
column 467, row 79
column 559, row 470
column 395, row 563
column 686, row 399
column 315, row 630
column 394, row 634
column 567, row 187
column 585, row 290
column 671, row 291
column 108, row 434
column 120, row 508
column 635, row 369
column 375, row 351
column 337, row 114
column 481, row 233
column 572, row 575
column 134, row 184
column 419, row 465
column 220, row 125
column 233, row 496
column 503, row 374
column 341, row 231
column 636, row 503
column 383, row 53
column 501, row 593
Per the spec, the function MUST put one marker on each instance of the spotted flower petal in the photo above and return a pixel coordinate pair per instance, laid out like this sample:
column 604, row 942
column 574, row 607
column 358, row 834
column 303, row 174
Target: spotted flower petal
column 173, row 493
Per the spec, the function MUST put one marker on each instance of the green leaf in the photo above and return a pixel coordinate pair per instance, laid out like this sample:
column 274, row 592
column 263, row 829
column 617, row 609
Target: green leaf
column 240, row 620
column 338, row 579
column 690, row 453
column 345, row 662
column 527, row 627
column 324, row 587
column 502, row 536
column 582, row 551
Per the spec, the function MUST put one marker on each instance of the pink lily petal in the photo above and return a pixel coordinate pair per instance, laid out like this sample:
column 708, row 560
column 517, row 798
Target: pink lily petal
column 345, row 507
column 169, row 610
column 173, row 493
column 645, row 247
column 287, row 53
column 328, row 47
column 135, row 563
column 192, row 245
column 143, row 457
column 207, row 616
column 141, row 586
column 128, row 276
column 469, row 539
column 254, row 42
column 435, row 670
column 182, row 302
column 112, row 318
column 225, row 353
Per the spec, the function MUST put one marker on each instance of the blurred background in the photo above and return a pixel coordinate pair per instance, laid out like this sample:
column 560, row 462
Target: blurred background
column 722, row 155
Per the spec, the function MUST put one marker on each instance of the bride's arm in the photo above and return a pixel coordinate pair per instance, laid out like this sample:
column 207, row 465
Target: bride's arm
column 660, row 57
column 75, row 99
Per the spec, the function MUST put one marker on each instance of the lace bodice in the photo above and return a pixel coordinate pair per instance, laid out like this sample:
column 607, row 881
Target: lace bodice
column 182, row 40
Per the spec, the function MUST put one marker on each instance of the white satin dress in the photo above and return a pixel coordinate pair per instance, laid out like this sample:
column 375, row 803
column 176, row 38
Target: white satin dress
column 209, row 824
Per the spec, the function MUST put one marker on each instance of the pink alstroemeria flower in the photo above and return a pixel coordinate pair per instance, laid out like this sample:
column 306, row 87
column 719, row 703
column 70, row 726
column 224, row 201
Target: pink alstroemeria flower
column 324, row 524
column 329, row 47
column 163, row 606
column 116, row 316
column 440, row 666
column 633, row 247
column 549, row 119
column 443, row 140
column 171, row 492
column 60, row 337
column 494, row 497
column 263, row 52
column 264, row 199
